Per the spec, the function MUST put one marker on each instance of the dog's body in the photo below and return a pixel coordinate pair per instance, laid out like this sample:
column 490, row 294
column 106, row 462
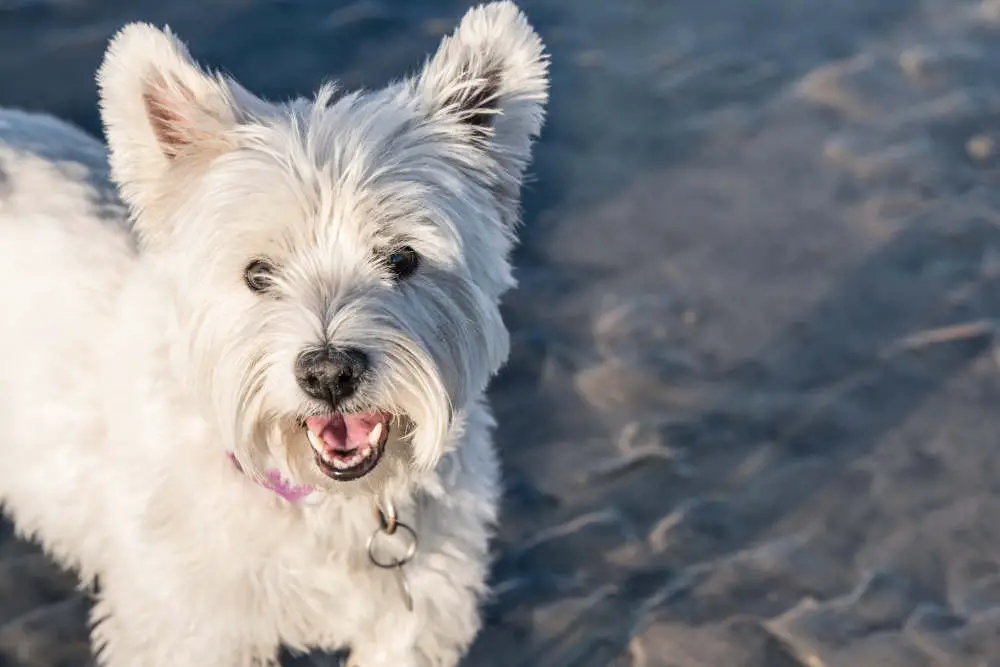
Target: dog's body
column 146, row 392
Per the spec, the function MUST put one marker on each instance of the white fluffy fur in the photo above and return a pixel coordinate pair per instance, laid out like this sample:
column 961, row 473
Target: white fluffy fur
column 133, row 356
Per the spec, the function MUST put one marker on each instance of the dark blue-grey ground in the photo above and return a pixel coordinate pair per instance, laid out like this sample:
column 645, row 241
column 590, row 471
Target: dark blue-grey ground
column 751, row 416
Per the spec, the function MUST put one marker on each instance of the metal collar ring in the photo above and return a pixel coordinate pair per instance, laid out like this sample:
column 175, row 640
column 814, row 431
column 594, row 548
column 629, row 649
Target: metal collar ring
column 407, row 533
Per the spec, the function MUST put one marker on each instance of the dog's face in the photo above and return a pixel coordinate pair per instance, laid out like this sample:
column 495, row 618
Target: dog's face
column 337, row 262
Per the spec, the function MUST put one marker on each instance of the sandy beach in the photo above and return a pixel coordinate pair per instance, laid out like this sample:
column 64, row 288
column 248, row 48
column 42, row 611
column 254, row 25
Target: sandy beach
column 751, row 416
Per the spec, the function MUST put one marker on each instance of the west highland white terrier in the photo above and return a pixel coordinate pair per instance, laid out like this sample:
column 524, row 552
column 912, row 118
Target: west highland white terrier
column 247, row 405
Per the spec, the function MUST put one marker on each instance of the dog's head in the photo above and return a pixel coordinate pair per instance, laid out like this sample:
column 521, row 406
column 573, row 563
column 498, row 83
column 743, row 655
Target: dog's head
column 337, row 262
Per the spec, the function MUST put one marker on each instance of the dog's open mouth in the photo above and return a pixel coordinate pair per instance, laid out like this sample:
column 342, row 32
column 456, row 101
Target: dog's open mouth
column 348, row 446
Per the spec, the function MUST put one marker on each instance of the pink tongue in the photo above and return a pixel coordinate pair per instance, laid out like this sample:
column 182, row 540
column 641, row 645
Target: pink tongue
column 344, row 433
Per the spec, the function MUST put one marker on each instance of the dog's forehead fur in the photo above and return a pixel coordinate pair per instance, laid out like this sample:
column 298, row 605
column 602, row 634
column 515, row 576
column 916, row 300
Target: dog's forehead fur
column 365, row 170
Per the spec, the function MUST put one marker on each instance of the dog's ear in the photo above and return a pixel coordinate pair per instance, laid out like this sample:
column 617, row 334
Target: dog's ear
column 490, row 79
column 159, row 109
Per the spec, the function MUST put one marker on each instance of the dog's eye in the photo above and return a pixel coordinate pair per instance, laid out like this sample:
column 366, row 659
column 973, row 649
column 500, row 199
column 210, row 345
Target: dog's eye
column 402, row 262
column 258, row 275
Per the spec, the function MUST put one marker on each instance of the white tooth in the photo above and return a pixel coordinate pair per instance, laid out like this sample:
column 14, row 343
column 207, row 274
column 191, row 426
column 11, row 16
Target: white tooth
column 376, row 435
column 315, row 441
column 366, row 452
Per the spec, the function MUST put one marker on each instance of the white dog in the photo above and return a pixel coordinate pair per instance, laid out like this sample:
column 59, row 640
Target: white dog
column 250, row 408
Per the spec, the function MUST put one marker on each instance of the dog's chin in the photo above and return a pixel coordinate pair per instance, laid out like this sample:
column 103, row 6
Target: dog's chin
column 347, row 446
column 350, row 474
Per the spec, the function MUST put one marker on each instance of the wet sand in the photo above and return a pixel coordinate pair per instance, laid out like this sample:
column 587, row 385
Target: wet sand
column 750, row 418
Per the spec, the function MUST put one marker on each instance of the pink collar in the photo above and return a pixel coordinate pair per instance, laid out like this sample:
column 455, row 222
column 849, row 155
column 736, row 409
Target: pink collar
column 276, row 483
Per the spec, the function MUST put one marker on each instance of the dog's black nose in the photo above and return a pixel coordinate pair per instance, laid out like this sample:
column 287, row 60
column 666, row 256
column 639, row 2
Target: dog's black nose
column 330, row 373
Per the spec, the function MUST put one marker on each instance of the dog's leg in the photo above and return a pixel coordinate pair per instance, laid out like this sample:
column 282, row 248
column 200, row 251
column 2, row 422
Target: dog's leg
column 437, row 633
column 130, row 632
